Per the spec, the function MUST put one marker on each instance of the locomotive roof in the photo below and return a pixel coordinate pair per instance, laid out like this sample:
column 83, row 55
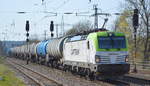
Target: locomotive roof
column 109, row 33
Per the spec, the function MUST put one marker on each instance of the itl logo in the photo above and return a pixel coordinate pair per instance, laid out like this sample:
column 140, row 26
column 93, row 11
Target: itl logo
column 74, row 51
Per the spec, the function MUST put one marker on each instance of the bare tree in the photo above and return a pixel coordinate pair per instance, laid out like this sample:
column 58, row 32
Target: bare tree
column 144, row 11
column 80, row 27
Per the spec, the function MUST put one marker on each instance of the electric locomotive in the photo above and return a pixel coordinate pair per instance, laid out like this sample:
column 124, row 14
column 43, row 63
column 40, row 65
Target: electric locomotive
column 97, row 54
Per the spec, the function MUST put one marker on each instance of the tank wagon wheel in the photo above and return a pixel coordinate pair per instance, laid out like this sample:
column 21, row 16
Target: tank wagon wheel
column 21, row 57
column 51, row 64
column 32, row 59
column 65, row 68
column 38, row 61
column 57, row 64
column 35, row 60
column 54, row 64
column 60, row 66
column 47, row 64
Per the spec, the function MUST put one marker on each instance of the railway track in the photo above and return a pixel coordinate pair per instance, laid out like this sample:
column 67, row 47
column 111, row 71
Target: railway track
column 124, row 81
column 128, row 80
column 116, row 82
column 134, row 79
column 36, row 77
column 67, row 78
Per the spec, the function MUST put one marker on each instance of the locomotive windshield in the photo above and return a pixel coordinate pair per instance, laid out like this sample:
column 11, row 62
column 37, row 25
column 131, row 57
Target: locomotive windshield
column 114, row 42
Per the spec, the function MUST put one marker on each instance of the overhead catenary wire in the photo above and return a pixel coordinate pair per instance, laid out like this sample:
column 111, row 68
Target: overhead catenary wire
column 61, row 5
column 65, row 2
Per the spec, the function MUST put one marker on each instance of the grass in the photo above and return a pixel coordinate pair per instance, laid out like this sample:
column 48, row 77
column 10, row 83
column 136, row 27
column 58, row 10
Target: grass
column 8, row 77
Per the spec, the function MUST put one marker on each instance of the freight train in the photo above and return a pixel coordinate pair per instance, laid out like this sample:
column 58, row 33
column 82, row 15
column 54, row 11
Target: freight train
column 98, row 53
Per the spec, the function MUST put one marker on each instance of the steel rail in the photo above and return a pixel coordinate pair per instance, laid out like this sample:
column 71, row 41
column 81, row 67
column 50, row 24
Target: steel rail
column 29, row 69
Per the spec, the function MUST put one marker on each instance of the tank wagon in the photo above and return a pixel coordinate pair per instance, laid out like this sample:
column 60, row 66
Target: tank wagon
column 100, row 53
column 32, row 49
column 54, row 51
column 13, row 52
column 41, row 51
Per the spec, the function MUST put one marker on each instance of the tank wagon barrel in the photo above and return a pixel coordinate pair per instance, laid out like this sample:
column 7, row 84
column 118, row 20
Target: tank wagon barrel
column 55, row 48
column 32, row 49
column 14, row 51
column 26, row 49
column 41, row 48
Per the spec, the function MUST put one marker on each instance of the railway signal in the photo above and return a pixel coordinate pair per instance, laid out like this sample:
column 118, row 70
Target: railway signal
column 52, row 28
column 52, row 35
column 27, row 29
column 27, row 34
column 135, row 25
column 27, row 39
column 136, row 18
column 27, row 26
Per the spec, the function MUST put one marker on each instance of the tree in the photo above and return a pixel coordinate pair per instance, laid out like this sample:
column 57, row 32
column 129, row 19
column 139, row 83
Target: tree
column 144, row 11
column 122, row 24
column 80, row 27
column 34, row 39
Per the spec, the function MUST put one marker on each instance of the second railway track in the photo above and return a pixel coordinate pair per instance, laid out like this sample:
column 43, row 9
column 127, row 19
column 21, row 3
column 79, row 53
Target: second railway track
column 36, row 77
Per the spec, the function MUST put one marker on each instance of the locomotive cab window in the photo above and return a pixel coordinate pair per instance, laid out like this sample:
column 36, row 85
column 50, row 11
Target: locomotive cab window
column 114, row 42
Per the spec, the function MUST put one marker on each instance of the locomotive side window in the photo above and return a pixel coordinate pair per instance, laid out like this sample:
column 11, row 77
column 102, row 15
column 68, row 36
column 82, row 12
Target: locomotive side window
column 77, row 38
column 88, row 45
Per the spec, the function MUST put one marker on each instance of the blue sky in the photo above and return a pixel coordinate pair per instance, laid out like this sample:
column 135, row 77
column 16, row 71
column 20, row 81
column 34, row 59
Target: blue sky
column 14, row 24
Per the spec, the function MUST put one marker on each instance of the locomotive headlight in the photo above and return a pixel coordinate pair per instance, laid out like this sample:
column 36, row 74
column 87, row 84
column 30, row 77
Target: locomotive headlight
column 97, row 59
column 127, row 58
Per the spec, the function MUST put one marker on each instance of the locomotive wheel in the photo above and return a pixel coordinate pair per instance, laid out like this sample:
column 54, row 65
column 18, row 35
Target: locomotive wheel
column 75, row 70
column 92, row 76
column 87, row 74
